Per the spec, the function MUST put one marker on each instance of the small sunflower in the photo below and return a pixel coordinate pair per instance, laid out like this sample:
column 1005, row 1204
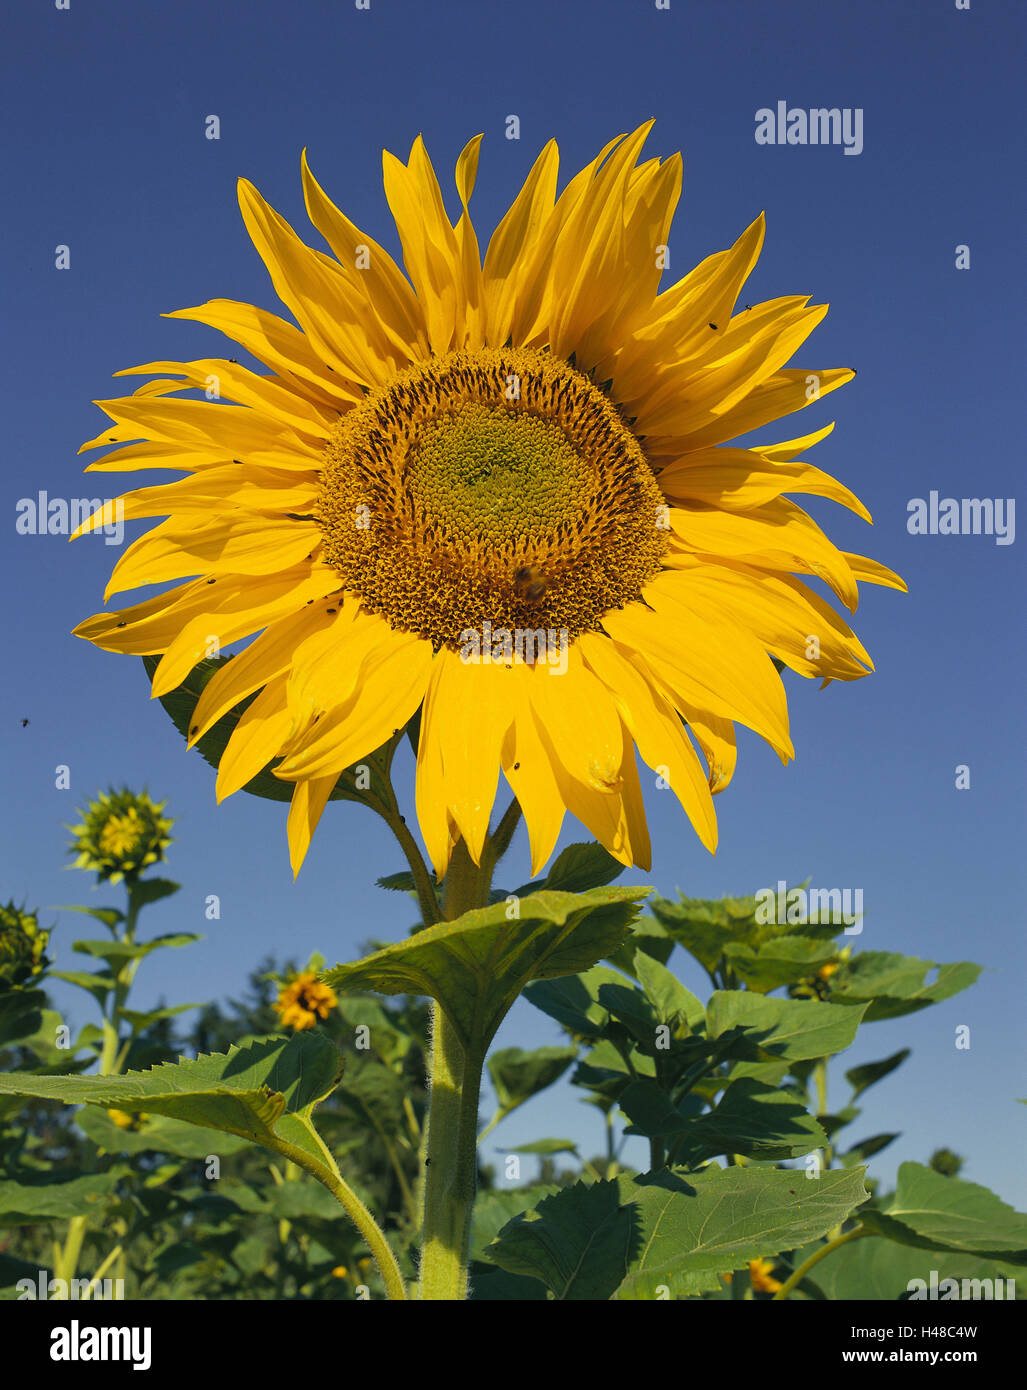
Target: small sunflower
column 23, row 944
column 122, row 833
column 303, row 1000
column 498, row 491
column 761, row 1276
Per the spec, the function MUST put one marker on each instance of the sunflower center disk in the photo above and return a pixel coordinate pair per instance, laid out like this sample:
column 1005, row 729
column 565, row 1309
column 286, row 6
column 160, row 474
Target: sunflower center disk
column 497, row 486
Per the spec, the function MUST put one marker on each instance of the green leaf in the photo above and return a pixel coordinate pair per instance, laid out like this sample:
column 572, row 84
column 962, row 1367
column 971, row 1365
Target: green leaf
column 98, row 984
column 181, row 702
column 883, row 1271
column 629, row 1237
column 939, row 1213
column 574, row 1002
column 109, row 916
column 150, row 890
column 796, row 1029
column 157, row 1134
column 375, row 1094
column 518, row 1075
column 894, row 985
column 859, row 1078
column 545, row 1147
column 403, row 882
column 116, row 953
column 21, row 1015
column 492, row 1210
column 667, row 994
column 649, row 938
column 476, row 966
column 49, row 1198
column 264, row 1092
column 866, row 1148
column 752, row 1119
column 583, row 866
column 144, row 1019
column 782, row 961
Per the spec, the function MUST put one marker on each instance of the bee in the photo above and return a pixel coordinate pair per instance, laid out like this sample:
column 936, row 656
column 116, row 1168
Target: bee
column 24, row 723
column 530, row 583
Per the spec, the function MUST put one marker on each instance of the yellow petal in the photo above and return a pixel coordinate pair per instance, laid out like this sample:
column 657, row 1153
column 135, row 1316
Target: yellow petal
column 657, row 731
column 257, row 738
column 308, row 801
column 581, row 721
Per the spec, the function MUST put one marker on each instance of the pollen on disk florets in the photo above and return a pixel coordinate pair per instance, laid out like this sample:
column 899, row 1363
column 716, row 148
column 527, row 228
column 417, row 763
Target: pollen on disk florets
column 499, row 485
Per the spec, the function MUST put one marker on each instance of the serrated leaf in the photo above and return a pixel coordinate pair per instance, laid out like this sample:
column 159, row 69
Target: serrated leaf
column 883, row 1271
column 156, row 1134
column 860, row 1078
column 894, row 985
column 940, row 1213
column 27, row 1201
column 781, row 961
column 476, row 966
column 796, row 1029
column 264, row 1092
column 403, row 882
column 492, row 1210
column 583, row 866
column 518, row 1075
column 628, row 1237
column 668, row 995
column 574, row 1001
column 752, row 1119
column 375, row 1094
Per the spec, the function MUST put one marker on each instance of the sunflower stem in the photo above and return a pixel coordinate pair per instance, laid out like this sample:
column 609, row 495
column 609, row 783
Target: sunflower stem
column 797, row 1275
column 451, row 1165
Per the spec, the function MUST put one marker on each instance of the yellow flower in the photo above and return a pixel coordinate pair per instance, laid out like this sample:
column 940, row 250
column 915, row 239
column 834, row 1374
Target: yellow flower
column 498, row 491
column 124, row 1120
column 761, row 1276
column 121, row 834
column 303, row 1001
column 827, row 970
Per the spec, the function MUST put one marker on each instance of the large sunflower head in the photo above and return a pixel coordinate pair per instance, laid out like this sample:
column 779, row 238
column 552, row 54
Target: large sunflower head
column 497, row 490
column 121, row 834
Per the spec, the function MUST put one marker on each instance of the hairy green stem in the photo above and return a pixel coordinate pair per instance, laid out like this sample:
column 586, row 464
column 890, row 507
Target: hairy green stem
column 330, row 1177
column 451, row 1162
column 797, row 1275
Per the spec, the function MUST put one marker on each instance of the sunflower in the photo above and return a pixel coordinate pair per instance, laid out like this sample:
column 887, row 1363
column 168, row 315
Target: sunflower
column 303, row 1000
column 121, row 834
column 497, row 492
column 23, row 959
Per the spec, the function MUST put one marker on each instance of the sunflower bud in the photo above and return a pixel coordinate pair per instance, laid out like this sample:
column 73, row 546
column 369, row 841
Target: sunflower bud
column 121, row 834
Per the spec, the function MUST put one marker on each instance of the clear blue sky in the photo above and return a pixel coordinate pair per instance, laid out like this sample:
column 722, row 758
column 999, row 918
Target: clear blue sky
column 104, row 110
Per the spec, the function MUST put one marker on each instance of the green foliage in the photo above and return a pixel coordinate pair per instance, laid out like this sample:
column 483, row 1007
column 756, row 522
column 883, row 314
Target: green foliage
column 476, row 966
column 192, row 1164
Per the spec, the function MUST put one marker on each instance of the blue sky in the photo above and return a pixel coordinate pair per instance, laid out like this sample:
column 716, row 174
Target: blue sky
column 106, row 106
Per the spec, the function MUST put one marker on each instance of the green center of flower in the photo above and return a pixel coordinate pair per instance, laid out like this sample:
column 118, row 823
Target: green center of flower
column 496, row 486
